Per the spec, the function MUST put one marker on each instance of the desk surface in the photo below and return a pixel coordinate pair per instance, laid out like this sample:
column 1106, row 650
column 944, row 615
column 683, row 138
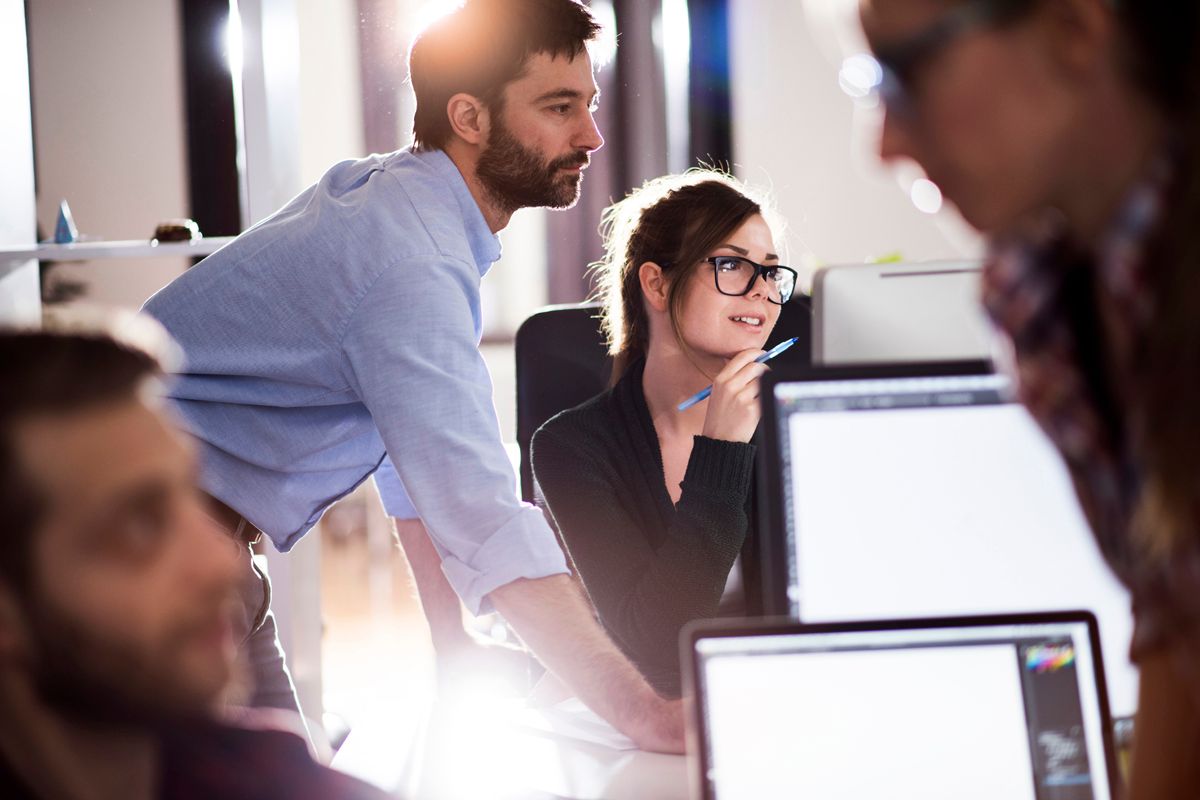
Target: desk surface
column 481, row 751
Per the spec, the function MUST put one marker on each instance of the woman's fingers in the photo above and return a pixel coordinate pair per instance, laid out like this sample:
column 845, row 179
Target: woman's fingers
column 741, row 370
column 738, row 362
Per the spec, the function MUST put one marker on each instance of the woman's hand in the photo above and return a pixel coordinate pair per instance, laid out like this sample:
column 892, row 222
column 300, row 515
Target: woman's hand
column 733, row 409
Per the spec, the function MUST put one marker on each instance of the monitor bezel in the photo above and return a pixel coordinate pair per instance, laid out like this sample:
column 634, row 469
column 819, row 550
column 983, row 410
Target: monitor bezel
column 770, row 503
column 694, row 632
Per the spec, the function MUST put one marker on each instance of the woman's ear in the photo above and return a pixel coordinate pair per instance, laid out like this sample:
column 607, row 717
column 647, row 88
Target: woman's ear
column 655, row 286
column 468, row 118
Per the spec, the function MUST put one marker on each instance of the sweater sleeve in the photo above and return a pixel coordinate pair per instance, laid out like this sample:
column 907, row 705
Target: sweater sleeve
column 645, row 594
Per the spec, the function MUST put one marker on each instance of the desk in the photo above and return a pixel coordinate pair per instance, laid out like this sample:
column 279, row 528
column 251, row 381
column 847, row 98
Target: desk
column 481, row 752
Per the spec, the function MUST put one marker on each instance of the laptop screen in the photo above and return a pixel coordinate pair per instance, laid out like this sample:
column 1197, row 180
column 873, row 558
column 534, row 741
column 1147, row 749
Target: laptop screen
column 1004, row 711
column 901, row 494
column 891, row 313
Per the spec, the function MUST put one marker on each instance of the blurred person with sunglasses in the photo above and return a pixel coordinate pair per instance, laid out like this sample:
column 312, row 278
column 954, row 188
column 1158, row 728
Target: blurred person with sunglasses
column 656, row 505
column 1067, row 132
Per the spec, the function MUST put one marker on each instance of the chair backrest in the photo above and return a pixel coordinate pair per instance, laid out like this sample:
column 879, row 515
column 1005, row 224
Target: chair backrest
column 562, row 361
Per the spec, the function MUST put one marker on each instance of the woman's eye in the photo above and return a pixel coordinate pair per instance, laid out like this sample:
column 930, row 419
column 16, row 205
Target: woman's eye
column 728, row 264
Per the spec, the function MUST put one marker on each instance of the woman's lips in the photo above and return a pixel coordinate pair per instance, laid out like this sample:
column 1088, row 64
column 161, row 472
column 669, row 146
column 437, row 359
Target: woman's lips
column 751, row 321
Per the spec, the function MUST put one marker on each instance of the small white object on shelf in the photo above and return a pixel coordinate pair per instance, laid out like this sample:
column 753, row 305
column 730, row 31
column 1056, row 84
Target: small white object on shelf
column 138, row 248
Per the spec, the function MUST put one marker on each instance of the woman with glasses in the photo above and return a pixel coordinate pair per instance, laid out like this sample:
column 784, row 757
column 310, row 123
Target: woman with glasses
column 1068, row 131
column 654, row 504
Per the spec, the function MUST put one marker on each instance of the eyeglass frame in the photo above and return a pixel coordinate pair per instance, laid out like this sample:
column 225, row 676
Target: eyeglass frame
column 899, row 62
column 759, row 272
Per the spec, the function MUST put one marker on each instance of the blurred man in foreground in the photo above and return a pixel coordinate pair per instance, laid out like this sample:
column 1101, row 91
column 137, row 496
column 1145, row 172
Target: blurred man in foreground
column 116, row 593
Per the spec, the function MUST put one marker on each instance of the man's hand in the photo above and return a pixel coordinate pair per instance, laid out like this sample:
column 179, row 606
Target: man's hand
column 557, row 623
column 554, row 618
column 463, row 658
column 473, row 660
column 662, row 727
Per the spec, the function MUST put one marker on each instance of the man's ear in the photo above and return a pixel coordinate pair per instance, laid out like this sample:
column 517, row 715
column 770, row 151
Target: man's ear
column 469, row 118
column 655, row 286
column 1080, row 34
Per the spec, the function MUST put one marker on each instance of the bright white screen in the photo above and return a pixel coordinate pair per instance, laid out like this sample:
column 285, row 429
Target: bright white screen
column 944, row 512
column 944, row 722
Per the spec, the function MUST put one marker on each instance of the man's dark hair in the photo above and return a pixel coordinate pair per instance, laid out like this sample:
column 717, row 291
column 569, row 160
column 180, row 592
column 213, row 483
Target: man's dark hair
column 47, row 374
column 481, row 47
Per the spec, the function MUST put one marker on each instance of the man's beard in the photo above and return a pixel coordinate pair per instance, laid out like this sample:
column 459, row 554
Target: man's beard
column 515, row 176
column 95, row 680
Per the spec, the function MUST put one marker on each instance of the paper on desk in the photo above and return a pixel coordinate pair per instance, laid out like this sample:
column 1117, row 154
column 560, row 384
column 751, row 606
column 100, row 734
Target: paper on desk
column 572, row 719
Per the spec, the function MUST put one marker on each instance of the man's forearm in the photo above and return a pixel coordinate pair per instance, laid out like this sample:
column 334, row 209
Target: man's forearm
column 440, row 603
column 556, row 622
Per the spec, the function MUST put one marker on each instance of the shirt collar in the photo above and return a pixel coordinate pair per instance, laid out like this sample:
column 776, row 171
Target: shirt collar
column 485, row 245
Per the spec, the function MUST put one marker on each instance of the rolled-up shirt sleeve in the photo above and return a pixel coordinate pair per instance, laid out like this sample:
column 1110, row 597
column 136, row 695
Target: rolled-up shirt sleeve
column 413, row 358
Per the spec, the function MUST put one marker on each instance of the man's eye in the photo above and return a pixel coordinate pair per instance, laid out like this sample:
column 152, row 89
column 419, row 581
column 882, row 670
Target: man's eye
column 561, row 109
column 140, row 533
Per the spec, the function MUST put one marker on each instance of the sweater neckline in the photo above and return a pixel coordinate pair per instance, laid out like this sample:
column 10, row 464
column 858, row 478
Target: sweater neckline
column 632, row 397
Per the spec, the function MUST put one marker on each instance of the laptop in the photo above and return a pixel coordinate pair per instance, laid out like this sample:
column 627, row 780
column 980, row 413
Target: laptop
column 1006, row 707
column 923, row 490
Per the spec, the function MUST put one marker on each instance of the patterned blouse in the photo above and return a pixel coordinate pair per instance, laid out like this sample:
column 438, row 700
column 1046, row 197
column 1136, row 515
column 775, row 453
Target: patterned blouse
column 1074, row 367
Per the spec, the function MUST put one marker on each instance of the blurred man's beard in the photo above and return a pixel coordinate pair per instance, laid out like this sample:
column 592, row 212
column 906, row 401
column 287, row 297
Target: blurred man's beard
column 515, row 176
column 97, row 681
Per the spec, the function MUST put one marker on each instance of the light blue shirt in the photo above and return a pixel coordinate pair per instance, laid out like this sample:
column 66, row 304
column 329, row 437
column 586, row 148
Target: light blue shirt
column 344, row 326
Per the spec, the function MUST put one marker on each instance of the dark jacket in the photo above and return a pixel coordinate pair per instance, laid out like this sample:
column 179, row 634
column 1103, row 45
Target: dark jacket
column 650, row 566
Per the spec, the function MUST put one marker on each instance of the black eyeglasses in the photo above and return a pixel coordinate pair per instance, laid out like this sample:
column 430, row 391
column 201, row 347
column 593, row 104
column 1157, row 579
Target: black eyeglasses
column 735, row 276
column 892, row 74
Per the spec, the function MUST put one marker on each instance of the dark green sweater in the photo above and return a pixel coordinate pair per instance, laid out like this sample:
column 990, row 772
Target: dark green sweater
column 650, row 566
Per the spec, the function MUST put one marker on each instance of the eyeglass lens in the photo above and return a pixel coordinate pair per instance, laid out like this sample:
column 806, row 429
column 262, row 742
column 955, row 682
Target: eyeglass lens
column 736, row 276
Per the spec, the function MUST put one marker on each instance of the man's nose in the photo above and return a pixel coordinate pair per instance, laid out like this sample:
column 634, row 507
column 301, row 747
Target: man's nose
column 589, row 137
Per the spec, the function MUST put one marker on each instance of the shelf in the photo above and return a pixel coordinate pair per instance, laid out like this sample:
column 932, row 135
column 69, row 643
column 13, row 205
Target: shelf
column 90, row 251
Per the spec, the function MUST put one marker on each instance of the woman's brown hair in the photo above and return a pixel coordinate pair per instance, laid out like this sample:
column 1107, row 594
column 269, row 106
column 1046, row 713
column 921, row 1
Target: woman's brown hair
column 675, row 222
column 1163, row 42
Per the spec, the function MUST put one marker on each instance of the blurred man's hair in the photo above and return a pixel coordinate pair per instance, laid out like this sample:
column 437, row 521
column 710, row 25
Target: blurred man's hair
column 43, row 375
column 481, row 47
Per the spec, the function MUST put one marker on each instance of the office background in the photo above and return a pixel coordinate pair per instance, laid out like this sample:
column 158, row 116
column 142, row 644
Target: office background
column 130, row 123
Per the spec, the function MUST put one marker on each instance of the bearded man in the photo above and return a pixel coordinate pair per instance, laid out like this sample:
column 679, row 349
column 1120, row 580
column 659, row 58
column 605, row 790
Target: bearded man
column 341, row 335
column 118, row 595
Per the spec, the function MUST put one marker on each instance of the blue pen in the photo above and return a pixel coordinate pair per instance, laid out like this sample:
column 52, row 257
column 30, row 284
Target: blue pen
column 767, row 356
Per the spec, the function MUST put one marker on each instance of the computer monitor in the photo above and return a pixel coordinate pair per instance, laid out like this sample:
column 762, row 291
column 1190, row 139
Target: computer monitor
column 889, row 313
column 924, row 490
column 990, row 708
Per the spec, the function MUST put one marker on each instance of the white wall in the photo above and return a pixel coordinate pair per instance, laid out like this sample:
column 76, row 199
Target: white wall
column 20, row 294
column 795, row 131
column 107, row 81
column 330, row 96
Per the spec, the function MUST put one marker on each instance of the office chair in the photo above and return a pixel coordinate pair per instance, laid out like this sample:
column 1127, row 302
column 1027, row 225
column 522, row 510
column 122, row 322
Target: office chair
column 562, row 361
